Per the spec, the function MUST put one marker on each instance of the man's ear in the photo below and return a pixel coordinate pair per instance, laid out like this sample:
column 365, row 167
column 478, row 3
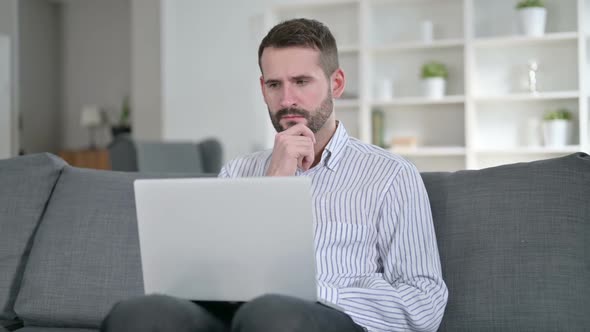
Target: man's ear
column 338, row 82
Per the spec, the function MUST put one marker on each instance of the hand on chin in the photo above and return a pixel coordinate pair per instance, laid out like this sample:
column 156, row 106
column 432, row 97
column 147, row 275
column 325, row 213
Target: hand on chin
column 288, row 122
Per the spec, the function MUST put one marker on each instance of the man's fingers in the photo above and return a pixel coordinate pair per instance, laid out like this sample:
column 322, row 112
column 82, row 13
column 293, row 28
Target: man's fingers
column 306, row 163
column 297, row 140
column 308, row 158
column 299, row 130
column 304, row 153
column 294, row 147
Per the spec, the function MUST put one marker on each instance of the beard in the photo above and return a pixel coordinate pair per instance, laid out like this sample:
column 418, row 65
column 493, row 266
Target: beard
column 315, row 120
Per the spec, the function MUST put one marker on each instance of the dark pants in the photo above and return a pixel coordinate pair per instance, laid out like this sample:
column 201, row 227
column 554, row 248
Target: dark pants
column 276, row 313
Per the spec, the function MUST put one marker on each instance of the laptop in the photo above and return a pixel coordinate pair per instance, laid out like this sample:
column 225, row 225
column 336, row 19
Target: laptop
column 219, row 239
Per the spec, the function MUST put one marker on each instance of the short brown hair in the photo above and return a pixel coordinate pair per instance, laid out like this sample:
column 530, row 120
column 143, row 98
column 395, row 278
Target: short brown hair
column 305, row 33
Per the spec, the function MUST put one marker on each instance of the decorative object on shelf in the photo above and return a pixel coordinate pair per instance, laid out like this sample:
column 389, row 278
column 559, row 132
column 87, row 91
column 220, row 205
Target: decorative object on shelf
column 533, row 15
column 378, row 123
column 426, row 31
column 91, row 118
column 123, row 124
column 557, row 128
column 385, row 90
column 532, row 74
column 434, row 76
column 404, row 142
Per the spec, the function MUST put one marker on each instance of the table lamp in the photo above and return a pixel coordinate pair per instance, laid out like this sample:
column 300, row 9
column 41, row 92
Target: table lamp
column 91, row 118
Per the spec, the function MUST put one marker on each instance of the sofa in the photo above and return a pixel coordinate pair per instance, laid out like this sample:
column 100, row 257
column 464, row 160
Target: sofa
column 514, row 243
column 130, row 155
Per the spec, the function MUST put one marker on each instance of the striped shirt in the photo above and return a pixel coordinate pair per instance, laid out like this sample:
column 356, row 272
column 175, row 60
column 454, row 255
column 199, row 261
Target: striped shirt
column 376, row 252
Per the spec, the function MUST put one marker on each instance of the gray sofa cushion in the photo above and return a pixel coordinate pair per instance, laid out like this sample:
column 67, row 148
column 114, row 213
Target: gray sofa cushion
column 513, row 242
column 25, row 186
column 85, row 256
column 53, row 329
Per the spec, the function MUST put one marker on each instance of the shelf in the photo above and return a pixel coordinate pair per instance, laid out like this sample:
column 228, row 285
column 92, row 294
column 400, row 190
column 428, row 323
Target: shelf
column 524, row 40
column 418, row 101
column 529, row 150
column 430, row 151
column 530, row 96
column 347, row 103
column 487, row 116
column 418, row 45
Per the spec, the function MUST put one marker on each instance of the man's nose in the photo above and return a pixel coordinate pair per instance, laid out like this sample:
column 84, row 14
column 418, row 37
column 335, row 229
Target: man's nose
column 288, row 97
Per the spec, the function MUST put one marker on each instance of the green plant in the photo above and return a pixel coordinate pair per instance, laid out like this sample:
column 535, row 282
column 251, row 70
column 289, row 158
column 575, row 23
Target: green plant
column 124, row 119
column 530, row 3
column 560, row 114
column 434, row 69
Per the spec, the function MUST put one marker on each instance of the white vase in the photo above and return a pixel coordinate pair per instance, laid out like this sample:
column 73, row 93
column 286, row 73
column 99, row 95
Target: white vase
column 434, row 87
column 426, row 31
column 532, row 21
column 557, row 133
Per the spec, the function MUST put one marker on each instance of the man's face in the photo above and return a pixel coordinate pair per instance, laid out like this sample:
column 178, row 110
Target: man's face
column 295, row 88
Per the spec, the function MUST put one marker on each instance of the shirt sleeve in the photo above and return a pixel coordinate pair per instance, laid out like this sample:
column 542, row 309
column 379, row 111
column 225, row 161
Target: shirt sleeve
column 224, row 173
column 410, row 294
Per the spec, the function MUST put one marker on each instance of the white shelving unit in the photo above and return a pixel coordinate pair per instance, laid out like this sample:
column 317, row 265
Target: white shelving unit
column 487, row 116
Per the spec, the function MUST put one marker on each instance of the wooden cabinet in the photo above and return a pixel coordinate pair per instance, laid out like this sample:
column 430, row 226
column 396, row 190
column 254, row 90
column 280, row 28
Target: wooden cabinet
column 95, row 158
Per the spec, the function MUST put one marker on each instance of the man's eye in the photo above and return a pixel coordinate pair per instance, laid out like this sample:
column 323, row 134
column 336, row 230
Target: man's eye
column 301, row 82
column 272, row 85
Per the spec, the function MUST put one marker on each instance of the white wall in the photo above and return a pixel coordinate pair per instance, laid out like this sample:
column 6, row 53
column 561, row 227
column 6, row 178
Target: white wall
column 190, row 66
column 5, row 98
column 40, row 75
column 146, row 81
column 96, row 62
column 9, row 28
column 211, row 73
column 7, row 20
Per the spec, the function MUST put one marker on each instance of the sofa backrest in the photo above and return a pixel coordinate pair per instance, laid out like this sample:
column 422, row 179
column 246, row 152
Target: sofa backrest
column 175, row 157
column 25, row 186
column 514, row 246
column 85, row 255
column 512, row 239
column 129, row 155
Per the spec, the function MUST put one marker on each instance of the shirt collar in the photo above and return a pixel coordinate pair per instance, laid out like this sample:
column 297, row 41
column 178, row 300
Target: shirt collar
column 334, row 151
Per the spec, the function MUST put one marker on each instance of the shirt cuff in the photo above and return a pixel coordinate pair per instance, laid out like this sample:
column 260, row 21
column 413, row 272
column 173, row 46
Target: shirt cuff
column 328, row 293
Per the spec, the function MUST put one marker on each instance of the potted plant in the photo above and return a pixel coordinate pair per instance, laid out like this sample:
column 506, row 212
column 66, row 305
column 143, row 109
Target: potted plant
column 434, row 76
column 557, row 128
column 532, row 14
column 123, row 123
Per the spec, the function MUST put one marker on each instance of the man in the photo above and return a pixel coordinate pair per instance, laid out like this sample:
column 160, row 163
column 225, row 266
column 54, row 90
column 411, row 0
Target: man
column 376, row 251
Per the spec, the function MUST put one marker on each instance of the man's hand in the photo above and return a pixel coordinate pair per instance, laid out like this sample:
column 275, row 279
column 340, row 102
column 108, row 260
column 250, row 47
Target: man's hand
column 293, row 148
